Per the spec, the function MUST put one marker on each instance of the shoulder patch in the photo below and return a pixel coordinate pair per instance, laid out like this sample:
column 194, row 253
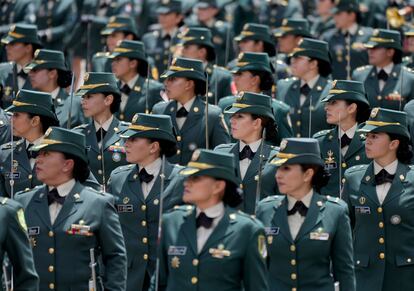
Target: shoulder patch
column 102, row 54
column 322, row 133
column 183, row 208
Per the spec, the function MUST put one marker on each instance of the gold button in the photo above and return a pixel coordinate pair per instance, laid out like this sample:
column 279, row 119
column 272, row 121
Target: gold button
column 51, row 286
column 294, row 289
column 51, row 234
column 381, row 224
column 298, row 135
column 30, row 176
column 293, row 262
column 381, row 256
column 51, row 269
column 194, row 280
column 409, row 260
column 343, row 165
column 100, row 172
column 298, row 123
column 195, row 262
column 145, row 256
column 299, row 111
column 379, row 97
column 358, row 262
column 51, row 251
column 178, row 138
column 292, row 248
column 144, row 240
column 99, row 157
column 143, row 207
column 178, row 152
column 143, row 223
column 379, row 209
column 381, row 240
column 293, row 276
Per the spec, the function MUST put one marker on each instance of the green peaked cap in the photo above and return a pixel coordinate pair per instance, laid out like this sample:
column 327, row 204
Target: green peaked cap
column 347, row 90
column 25, row 33
column 65, row 141
column 385, row 38
column 253, row 103
column 298, row 151
column 386, row 120
column 293, row 26
column 34, row 102
column 99, row 83
column 132, row 49
column 47, row 59
column 261, row 32
column 120, row 23
column 200, row 36
column 186, row 68
column 346, row 5
column 169, row 6
column 252, row 61
column 315, row 49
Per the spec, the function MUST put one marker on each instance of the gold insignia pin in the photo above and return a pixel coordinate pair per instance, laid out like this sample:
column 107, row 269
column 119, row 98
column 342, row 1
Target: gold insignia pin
column 48, row 132
column 232, row 216
column 36, row 53
column 125, row 200
column 86, row 77
column 367, row 178
column 135, row 118
column 283, row 144
column 76, row 196
column 319, row 203
column 196, row 109
column 374, row 112
column 175, row 262
column 362, row 200
column 402, row 177
column 334, row 83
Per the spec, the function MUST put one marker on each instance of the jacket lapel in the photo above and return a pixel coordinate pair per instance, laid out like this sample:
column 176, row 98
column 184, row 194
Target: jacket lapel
column 190, row 231
column 313, row 216
column 156, row 188
column 253, row 168
column 91, row 137
column 41, row 206
column 111, row 136
column 134, row 184
column 392, row 80
column 373, row 80
column 397, row 186
column 355, row 145
column 196, row 113
column 368, row 186
column 235, row 151
column 280, row 219
column 70, row 206
column 316, row 91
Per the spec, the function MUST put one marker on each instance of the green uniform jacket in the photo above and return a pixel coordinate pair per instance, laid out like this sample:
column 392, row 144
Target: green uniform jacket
column 250, row 178
column 16, row 12
column 273, row 14
column 62, row 106
column 409, row 109
column 61, row 254
column 288, row 90
column 280, row 111
column 339, row 52
column 335, row 163
column 137, row 98
column 192, row 135
column 101, row 62
column 232, row 258
column 383, row 234
column 269, row 186
column 389, row 96
column 140, row 239
column 59, row 18
column 322, row 246
column 219, row 80
column 14, row 242
column 319, row 26
column 5, row 134
column 113, row 150
column 6, row 84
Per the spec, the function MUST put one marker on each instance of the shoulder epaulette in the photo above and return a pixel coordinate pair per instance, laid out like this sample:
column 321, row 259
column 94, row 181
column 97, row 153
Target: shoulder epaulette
column 102, row 54
column 356, row 168
column 82, row 126
column 322, row 133
column 183, row 208
column 273, row 198
column 3, row 200
column 219, row 23
column 362, row 68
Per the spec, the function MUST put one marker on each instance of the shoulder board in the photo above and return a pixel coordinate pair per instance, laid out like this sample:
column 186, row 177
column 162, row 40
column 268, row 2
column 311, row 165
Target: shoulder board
column 102, row 54
column 336, row 200
column 291, row 79
column 123, row 168
column 363, row 68
column 125, row 123
column 272, row 198
column 183, row 208
column 3, row 200
column 357, row 168
column 9, row 145
column 322, row 133
column 408, row 69
column 225, row 145
column 276, row 148
column 82, row 126
column 219, row 23
column 407, row 59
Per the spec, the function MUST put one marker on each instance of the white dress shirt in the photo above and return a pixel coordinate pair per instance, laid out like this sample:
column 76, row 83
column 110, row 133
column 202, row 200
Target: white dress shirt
column 187, row 106
column 63, row 190
column 296, row 220
column 105, row 126
column 216, row 212
column 245, row 163
column 35, row 142
column 382, row 190
column 388, row 69
column 124, row 97
column 350, row 133
column 152, row 169
column 311, row 84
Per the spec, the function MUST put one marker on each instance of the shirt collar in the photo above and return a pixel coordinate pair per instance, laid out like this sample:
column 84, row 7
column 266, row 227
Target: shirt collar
column 350, row 132
column 187, row 105
column 105, row 125
column 254, row 146
column 213, row 211
column 35, row 142
column 154, row 167
column 311, row 82
column 388, row 68
column 171, row 33
column 55, row 92
column 65, row 188
column 131, row 83
column 390, row 168
column 306, row 200
column 352, row 30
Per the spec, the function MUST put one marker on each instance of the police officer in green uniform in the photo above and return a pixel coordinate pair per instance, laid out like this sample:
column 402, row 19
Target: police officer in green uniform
column 15, row 243
column 21, row 43
column 207, row 12
column 346, row 39
column 253, row 73
column 67, row 220
column 256, row 38
column 211, row 246
column 161, row 43
column 101, row 99
column 197, row 44
column 117, row 29
column 54, row 19
column 342, row 147
column 251, row 114
column 311, row 66
column 308, row 235
column 33, row 113
column 322, row 19
column 379, row 197
column 185, row 83
column 48, row 73
column 387, row 82
column 139, row 93
column 137, row 190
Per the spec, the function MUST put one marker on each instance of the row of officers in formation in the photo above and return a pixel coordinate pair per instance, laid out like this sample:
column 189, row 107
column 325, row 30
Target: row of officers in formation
column 268, row 170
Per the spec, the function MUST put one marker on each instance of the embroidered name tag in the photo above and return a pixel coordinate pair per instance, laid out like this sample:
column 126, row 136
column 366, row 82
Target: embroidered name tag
column 16, row 175
column 272, row 230
column 125, row 208
column 363, row 209
column 319, row 235
column 177, row 251
column 34, row 230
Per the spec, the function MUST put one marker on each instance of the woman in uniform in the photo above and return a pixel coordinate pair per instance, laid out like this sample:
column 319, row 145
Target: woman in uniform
column 211, row 246
column 137, row 190
column 308, row 235
column 380, row 198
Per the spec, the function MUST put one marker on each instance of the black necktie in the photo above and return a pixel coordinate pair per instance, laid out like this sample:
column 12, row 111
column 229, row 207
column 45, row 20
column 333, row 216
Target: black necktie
column 53, row 196
column 125, row 89
column 383, row 177
column 100, row 134
column 345, row 140
column 246, row 153
column 204, row 220
column 382, row 75
column 144, row 176
column 182, row 112
column 22, row 74
column 31, row 154
column 299, row 207
column 305, row 90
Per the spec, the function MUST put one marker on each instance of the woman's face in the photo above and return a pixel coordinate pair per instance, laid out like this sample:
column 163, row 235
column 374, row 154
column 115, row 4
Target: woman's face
column 95, row 104
column 22, row 124
column 51, row 166
column 291, row 179
column 245, row 81
column 300, row 66
column 203, row 190
column 138, row 149
column 337, row 111
column 243, row 126
column 176, row 87
column 379, row 145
